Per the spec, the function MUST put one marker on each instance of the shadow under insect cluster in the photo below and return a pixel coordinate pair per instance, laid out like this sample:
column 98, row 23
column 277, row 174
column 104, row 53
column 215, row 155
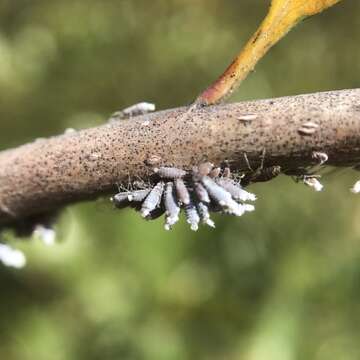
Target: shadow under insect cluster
column 199, row 192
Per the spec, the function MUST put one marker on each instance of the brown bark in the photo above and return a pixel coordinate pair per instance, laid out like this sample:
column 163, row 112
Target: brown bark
column 50, row 173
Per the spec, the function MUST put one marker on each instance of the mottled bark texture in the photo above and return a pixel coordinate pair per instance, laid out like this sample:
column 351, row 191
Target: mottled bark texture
column 49, row 173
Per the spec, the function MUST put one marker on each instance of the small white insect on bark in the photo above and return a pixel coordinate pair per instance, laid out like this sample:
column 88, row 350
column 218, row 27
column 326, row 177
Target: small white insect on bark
column 321, row 157
column 138, row 195
column 172, row 209
column 312, row 182
column 216, row 192
column 153, row 160
column 201, row 193
column 192, row 216
column 223, row 198
column 236, row 191
column 308, row 128
column 182, row 192
column 121, row 200
column 140, row 108
column 249, row 207
column 204, row 213
column 234, row 208
column 204, row 169
column 153, row 200
column 247, row 117
column 170, row 172
column 214, row 173
column 70, row 131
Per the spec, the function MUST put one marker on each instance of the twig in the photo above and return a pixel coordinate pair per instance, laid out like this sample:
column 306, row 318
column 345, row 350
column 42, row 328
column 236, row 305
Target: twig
column 49, row 173
column 282, row 16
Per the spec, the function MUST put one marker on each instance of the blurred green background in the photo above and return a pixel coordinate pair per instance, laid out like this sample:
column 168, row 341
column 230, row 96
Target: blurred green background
column 282, row 283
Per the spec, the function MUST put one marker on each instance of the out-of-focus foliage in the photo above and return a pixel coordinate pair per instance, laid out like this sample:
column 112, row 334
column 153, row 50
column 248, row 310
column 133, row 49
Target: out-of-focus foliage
column 281, row 283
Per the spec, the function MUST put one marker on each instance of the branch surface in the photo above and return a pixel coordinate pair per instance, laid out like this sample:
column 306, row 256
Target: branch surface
column 49, row 173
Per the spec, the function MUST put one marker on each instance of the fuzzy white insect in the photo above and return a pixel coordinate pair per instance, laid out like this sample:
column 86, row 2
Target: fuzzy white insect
column 70, row 131
column 182, row 192
column 12, row 257
column 138, row 195
column 201, row 193
column 153, row 200
column 204, row 169
column 135, row 110
column 204, row 213
column 172, row 210
column 236, row 191
column 249, row 207
column 216, row 192
column 223, row 197
column 247, row 117
column 170, row 172
column 319, row 156
column 192, row 216
column 312, row 182
column 308, row 128
column 153, row 159
column 356, row 188
column 235, row 209
column 214, row 173
column 46, row 234
column 140, row 184
column 121, row 200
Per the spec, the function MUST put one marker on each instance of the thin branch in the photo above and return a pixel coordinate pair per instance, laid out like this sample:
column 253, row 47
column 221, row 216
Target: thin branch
column 283, row 15
column 49, row 173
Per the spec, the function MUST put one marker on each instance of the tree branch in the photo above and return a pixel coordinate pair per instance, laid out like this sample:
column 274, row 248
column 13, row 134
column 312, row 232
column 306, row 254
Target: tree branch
column 49, row 173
